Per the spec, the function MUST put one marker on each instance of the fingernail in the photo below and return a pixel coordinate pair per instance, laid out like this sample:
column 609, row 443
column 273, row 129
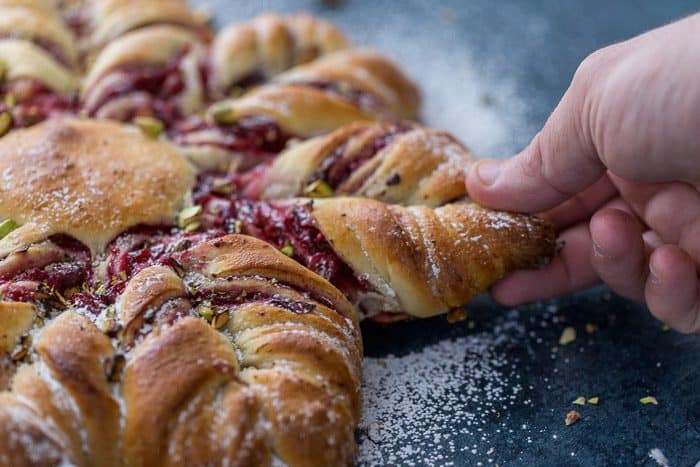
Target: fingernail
column 653, row 277
column 488, row 171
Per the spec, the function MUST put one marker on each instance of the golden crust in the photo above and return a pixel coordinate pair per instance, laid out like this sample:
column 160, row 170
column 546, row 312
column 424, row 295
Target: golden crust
column 299, row 110
column 289, row 391
column 25, row 59
column 33, row 23
column 268, row 45
column 113, row 18
column 155, row 45
column 418, row 166
column 367, row 71
column 90, row 180
column 426, row 261
column 61, row 406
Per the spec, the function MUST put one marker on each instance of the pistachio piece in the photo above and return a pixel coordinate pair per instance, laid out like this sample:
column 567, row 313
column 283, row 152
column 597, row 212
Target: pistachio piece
column 318, row 189
column 3, row 70
column 238, row 226
column 222, row 186
column 5, row 122
column 220, row 320
column 10, row 100
column 222, row 112
column 567, row 336
column 580, row 400
column 594, row 400
column 649, row 400
column 344, row 88
column 192, row 227
column 189, row 215
column 7, row 226
column 288, row 250
column 149, row 126
column 205, row 312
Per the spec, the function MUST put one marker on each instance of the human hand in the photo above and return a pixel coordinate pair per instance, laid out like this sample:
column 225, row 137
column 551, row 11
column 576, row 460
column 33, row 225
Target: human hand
column 617, row 169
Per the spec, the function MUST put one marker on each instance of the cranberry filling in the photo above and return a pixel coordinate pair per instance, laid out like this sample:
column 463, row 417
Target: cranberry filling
column 59, row 276
column 258, row 139
column 360, row 98
column 281, row 224
column 162, row 83
column 33, row 102
column 337, row 167
column 240, row 297
column 145, row 246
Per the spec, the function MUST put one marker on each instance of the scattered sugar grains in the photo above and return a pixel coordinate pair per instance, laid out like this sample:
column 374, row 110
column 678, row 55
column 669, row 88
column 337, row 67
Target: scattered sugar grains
column 420, row 408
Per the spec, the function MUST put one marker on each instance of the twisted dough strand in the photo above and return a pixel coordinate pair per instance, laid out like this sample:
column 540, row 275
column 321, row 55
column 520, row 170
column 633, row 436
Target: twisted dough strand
column 393, row 163
column 279, row 379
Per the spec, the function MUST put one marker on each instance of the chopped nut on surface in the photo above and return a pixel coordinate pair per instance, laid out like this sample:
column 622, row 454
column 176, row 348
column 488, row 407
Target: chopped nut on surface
column 572, row 417
column 649, row 400
column 594, row 400
column 580, row 400
column 3, row 70
column 205, row 312
column 220, row 320
column 591, row 328
column 567, row 336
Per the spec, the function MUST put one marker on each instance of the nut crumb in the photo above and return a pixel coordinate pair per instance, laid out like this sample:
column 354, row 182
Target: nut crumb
column 572, row 417
column 594, row 400
column 567, row 336
column 580, row 400
column 591, row 328
column 455, row 315
column 649, row 400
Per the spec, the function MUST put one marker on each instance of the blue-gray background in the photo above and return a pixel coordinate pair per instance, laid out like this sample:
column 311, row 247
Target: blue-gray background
column 491, row 72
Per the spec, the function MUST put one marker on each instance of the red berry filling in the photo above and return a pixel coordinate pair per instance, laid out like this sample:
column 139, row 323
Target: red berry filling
column 29, row 102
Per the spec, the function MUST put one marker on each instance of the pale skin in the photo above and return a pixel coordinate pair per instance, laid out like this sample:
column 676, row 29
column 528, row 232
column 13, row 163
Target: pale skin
column 616, row 168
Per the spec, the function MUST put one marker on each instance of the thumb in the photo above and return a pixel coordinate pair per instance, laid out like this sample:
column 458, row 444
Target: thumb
column 559, row 162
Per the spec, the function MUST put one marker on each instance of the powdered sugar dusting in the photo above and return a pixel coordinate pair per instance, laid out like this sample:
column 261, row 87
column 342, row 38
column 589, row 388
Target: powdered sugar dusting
column 449, row 390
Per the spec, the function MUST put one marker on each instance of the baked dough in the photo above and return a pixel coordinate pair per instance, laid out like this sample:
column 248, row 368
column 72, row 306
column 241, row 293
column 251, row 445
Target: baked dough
column 267, row 45
column 172, row 389
column 308, row 100
column 143, row 51
column 394, row 163
column 87, row 179
column 113, row 18
column 34, row 24
column 26, row 60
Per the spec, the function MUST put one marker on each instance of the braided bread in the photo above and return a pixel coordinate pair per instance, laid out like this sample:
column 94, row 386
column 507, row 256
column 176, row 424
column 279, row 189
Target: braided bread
column 254, row 51
column 160, row 304
column 215, row 349
column 394, row 163
column 154, row 71
column 37, row 65
column 306, row 101
column 389, row 259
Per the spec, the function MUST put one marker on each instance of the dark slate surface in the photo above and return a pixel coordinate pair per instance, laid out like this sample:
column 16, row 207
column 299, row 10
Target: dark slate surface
column 628, row 357
column 539, row 43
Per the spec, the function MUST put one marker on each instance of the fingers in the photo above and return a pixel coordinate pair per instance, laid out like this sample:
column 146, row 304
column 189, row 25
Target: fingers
column 569, row 270
column 672, row 292
column 618, row 254
column 559, row 162
column 670, row 209
column 582, row 205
